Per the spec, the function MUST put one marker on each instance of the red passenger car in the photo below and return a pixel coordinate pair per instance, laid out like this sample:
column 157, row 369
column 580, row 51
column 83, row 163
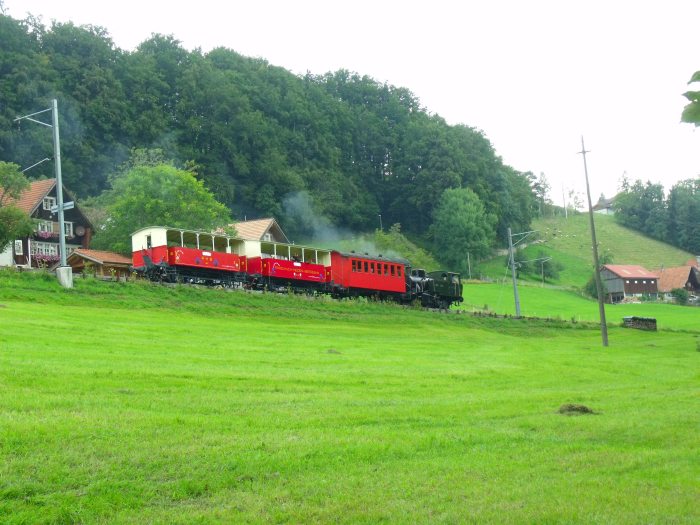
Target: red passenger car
column 353, row 274
column 193, row 255
column 281, row 265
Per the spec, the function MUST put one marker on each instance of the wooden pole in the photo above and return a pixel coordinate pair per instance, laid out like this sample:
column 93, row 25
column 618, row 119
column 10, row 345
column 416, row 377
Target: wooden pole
column 598, row 283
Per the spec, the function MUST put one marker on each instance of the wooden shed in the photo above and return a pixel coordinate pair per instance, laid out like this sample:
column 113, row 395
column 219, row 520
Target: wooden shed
column 103, row 264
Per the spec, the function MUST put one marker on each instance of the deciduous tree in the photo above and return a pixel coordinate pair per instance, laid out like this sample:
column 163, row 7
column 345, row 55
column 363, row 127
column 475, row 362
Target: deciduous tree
column 156, row 195
column 461, row 224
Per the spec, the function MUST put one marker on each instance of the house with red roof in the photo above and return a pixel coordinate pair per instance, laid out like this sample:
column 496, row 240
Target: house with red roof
column 622, row 281
column 685, row 277
column 41, row 249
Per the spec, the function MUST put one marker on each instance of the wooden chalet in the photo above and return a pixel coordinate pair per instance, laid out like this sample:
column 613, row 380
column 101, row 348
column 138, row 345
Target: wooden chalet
column 260, row 230
column 623, row 281
column 41, row 249
column 102, row 264
column 684, row 277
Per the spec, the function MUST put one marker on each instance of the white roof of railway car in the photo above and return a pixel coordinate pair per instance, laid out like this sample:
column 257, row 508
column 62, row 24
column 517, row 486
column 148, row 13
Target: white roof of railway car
column 185, row 230
column 232, row 237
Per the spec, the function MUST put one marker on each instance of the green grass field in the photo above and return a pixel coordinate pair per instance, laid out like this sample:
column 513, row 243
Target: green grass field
column 547, row 302
column 145, row 404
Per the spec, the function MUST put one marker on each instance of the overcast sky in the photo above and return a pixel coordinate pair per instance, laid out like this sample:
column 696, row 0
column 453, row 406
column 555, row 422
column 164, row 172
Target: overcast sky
column 534, row 75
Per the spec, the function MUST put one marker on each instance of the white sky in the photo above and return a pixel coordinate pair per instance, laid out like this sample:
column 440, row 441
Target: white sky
column 534, row 75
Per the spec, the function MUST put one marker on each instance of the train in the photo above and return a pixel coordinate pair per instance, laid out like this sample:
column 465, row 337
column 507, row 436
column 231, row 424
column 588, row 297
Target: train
column 176, row 255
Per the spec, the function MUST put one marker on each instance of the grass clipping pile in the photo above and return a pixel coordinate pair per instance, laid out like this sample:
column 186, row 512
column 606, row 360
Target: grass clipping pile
column 569, row 409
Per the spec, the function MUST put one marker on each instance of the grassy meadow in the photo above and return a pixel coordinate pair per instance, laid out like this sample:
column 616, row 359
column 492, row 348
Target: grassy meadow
column 568, row 242
column 569, row 305
column 626, row 246
column 135, row 403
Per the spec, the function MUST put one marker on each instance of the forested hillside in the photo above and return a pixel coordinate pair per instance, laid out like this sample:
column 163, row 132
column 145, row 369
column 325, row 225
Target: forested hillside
column 259, row 136
column 672, row 218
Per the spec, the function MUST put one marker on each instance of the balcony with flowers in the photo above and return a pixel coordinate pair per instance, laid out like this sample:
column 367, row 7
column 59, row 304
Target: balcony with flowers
column 44, row 261
column 45, row 235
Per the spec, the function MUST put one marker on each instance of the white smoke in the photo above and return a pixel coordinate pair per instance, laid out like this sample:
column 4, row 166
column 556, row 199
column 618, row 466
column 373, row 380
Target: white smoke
column 302, row 219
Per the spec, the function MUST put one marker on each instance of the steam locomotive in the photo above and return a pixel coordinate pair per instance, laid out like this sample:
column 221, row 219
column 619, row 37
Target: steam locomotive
column 176, row 255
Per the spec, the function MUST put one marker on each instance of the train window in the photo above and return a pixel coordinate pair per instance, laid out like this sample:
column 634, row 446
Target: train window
column 366, row 267
column 386, row 269
column 398, row 271
column 391, row 269
column 148, row 241
column 354, row 265
column 371, row 267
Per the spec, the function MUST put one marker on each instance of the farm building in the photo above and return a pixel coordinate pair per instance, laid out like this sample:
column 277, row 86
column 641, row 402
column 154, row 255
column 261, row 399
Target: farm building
column 42, row 247
column 621, row 281
column 684, row 277
column 103, row 264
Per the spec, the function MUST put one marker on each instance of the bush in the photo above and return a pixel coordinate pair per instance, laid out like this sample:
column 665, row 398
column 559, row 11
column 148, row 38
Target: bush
column 680, row 295
column 591, row 290
column 394, row 242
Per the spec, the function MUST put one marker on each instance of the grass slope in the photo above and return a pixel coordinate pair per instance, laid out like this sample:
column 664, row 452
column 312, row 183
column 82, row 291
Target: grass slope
column 627, row 246
column 568, row 241
column 137, row 403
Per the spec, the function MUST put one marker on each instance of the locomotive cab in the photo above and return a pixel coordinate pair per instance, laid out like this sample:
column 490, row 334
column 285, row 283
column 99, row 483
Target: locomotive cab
column 446, row 288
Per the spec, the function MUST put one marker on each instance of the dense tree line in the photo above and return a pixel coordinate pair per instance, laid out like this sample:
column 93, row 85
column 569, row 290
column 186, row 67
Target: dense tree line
column 674, row 219
column 253, row 133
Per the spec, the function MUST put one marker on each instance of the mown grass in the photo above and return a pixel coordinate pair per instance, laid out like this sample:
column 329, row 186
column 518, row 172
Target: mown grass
column 203, row 406
column 547, row 302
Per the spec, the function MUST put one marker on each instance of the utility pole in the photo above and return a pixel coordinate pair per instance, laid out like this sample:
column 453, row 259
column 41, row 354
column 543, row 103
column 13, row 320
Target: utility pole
column 598, row 283
column 512, row 269
column 59, row 180
column 563, row 196
column 63, row 272
column 381, row 228
column 469, row 266
column 511, row 257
